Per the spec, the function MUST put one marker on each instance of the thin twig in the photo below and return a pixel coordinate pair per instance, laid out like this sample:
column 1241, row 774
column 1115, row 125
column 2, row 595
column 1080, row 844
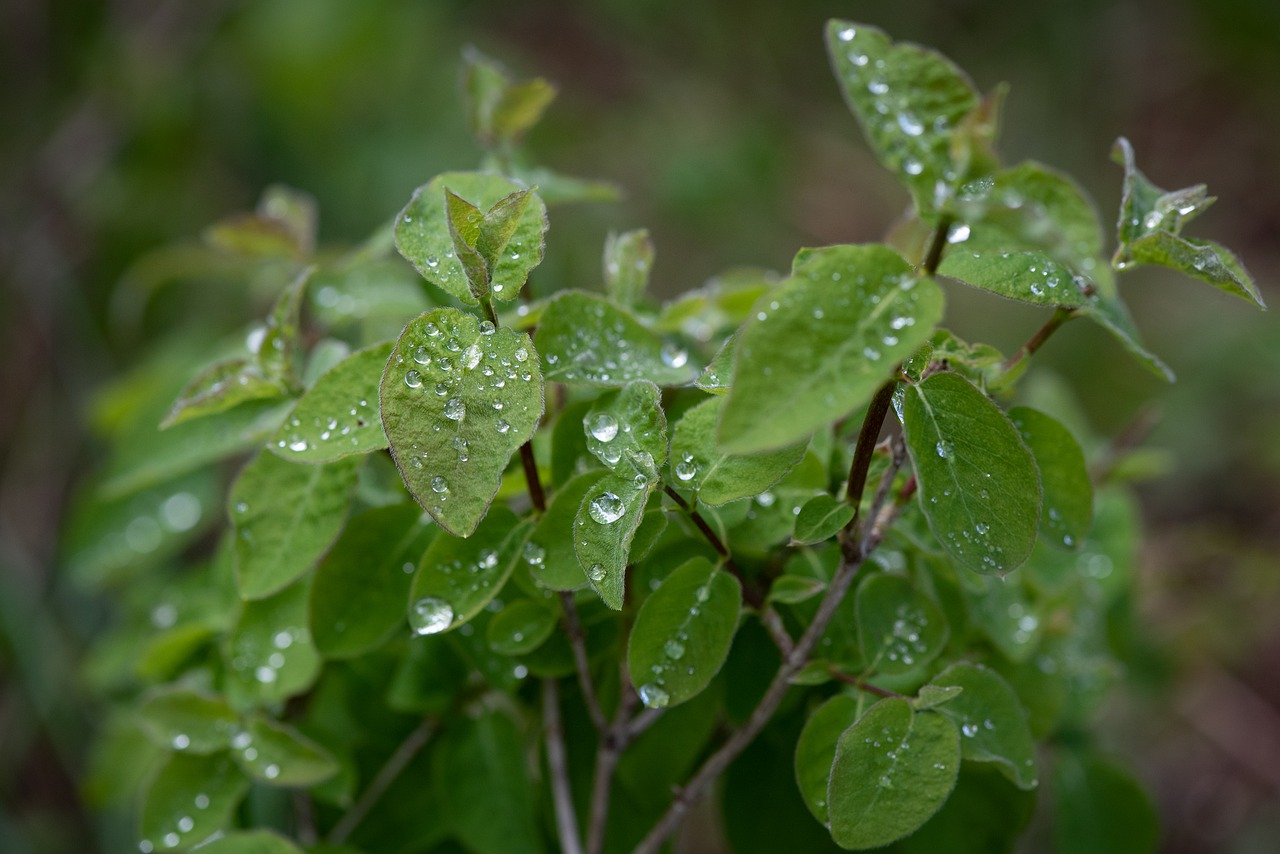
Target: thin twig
column 1036, row 341
column 536, row 494
column 937, row 245
column 865, row 448
column 581, row 664
column 715, row 765
column 382, row 781
column 849, row 679
column 558, row 765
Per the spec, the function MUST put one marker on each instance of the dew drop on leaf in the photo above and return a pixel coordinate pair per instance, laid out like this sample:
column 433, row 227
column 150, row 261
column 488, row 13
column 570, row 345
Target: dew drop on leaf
column 430, row 616
column 653, row 696
column 603, row 426
column 606, row 508
column 413, row 379
column 455, row 409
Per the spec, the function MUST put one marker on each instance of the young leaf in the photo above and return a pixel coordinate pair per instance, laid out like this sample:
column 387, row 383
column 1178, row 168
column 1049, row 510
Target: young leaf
column 1202, row 259
column 584, row 338
column 1100, row 808
column 682, row 633
column 360, row 586
column 458, row 398
column 339, row 415
column 893, row 769
column 251, row 842
column 285, row 515
column 993, row 725
column 979, row 486
column 1067, row 511
column 816, row 750
column 715, row 377
column 499, row 224
column 189, row 800
column 1028, row 276
column 501, row 110
column 999, row 609
column 821, row 343
column 186, row 720
column 463, row 219
column 550, row 552
column 821, row 518
column 219, row 388
column 520, row 627
column 269, row 650
column 603, row 529
column 627, row 430
column 715, row 476
column 793, row 589
column 456, row 578
column 899, row 628
column 423, row 235
column 907, row 99
column 278, row 755
column 277, row 352
column 628, row 258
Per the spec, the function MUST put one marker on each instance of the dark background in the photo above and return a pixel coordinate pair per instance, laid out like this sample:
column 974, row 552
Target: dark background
column 127, row 125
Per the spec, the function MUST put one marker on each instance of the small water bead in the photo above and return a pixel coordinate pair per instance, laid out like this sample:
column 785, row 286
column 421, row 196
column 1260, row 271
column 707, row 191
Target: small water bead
column 606, row 508
column 439, row 484
column 302, row 444
column 910, row 125
column 521, row 354
column 969, row 730
column 430, row 616
column 686, row 469
column 471, row 357
column 673, row 356
column 982, row 528
column 654, row 696
column 502, row 426
column 171, row 840
column 912, row 166
column 847, row 34
column 534, row 554
column 597, row 572
column 452, row 345
column 603, row 426
column 202, row 801
column 422, row 355
column 871, row 353
column 181, row 741
column 944, row 448
column 878, row 87
column 858, row 59
column 610, row 454
column 958, row 234
column 265, row 675
column 455, row 409
column 674, row 649
column 413, row 379
column 488, row 559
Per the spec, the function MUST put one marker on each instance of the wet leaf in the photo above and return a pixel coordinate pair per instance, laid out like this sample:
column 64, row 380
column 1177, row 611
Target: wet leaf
column 899, row 627
column 458, row 399
column 627, row 431
column 682, row 633
column 821, row 518
column 278, row 755
column 821, row 343
column 190, row 799
column 339, row 415
column 269, row 649
column 978, row 484
column 628, row 258
column 183, row 719
column 1067, row 512
column 993, row 725
column 816, row 750
column 603, row 529
column 714, row 475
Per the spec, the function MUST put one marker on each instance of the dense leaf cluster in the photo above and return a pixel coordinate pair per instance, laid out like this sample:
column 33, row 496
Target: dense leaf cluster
column 504, row 569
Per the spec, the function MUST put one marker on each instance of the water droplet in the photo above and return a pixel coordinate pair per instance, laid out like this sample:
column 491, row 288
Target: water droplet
column 439, row 484
column 455, row 409
column 910, row 125
column 847, row 34
column 877, row 87
column 430, row 616
column 982, row 528
column 181, row 741
column 653, row 696
column 265, row 675
column 202, row 801
column 606, row 508
column 958, row 234
column 534, row 554
column 471, row 357
column 171, row 840
column 673, row 356
column 521, row 354
column 602, row 426
column 970, row 730
column 596, row 572
column 502, row 426
column 686, row 470
column 487, row 327
column 674, row 649
column 422, row 356
column 413, row 379
column 912, row 166
column 452, row 345
column 944, row 449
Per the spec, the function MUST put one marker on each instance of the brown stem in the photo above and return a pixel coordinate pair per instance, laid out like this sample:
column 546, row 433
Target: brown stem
column 531, row 478
column 865, row 449
column 558, row 765
column 936, row 246
column 577, row 643
column 1035, row 342
column 382, row 781
column 849, row 679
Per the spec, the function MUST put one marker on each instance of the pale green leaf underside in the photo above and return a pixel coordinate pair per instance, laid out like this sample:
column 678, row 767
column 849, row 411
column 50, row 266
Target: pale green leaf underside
column 1203, row 259
column 627, row 431
column 184, row 719
column 270, row 651
column 821, row 518
column 603, row 528
column 993, row 726
column 715, row 476
column 899, row 627
column 278, row 755
column 184, row 781
column 1067, row 511
column 908, row 100
column 893, row 769
column 1027, row 276
column 220, row 387
column 682, row 633
column 628, row 258
column 1112, row 315
column 339, row 415
column 816, row 750
column 285, row 515
column 458, row 398
column 422, row 235
column 978, row 484
column 819, row 345
column 584, row 338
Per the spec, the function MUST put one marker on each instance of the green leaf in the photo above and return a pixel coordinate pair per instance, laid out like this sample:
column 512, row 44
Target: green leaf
column 339, row 415
column 555, row 188
column 985, row 814
column 186, row 720
column 793, row 589
column 628, row 258
column 821, row 518
column 603, row 529
column 278, row 351
column 1099, row 808
column 931, row 696
column 716, row 476
column 1112, row 315
column 456, row 578
column 1067, row 511
column 715, row 378
column 627, row 430
column 463, row 219
column 285, row 515
column 295, row 210
column 1202, row 259
column 251, row 842
column 189, row 800
column 893, row 769
column 907, row 99
column 821, row 343
column 816, row 750
column 584, row 338
column 550, row 552
column 360, row 587
column 483, row 780
column 1027, row 276
column 500, row 109
column 899, row 627
column 999, row 608
column 682, row 633
column 269, row 650
column 979, row 486
column 520, row 627
column 424, row 239
column 458, row 399
column 219, row 388
column 278, row 755
column 993, row 725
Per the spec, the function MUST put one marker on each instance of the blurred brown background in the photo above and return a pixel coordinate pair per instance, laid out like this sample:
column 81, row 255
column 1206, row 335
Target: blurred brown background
column 130, row 124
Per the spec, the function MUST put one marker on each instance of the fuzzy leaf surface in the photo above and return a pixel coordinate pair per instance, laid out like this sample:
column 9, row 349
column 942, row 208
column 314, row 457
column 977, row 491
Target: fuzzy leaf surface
column 899, row 627
column 603, row 529
column 1067, row 512
column 627, row 431
column 816, row 750
column 339, row 415
column 714, row 475
column 993, row 726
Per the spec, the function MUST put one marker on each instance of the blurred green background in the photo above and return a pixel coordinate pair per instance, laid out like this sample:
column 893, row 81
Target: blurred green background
column 133, row 124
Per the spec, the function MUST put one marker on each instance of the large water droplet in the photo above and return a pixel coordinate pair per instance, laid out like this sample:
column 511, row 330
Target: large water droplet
column 910, row 125
column 521, row 354
column 471, row 357
column 422, row 355
column 439, row 484
column 653, row 696
column 686, row 470
column 596, row 572
column 455, row 409
column 413, row 379
column 602, row 426
column 944, row 449
column 430, row 616
column 487, row 327
column 606, row 508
